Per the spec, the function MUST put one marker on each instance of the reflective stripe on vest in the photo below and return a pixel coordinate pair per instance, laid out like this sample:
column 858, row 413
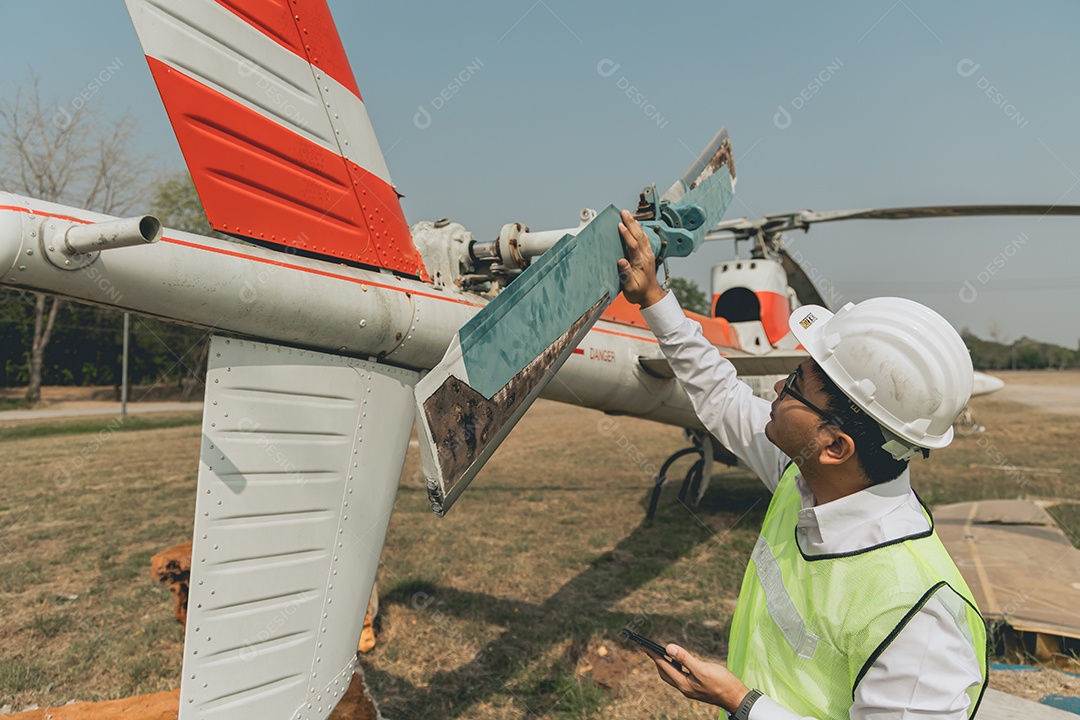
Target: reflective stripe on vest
column 807, row 629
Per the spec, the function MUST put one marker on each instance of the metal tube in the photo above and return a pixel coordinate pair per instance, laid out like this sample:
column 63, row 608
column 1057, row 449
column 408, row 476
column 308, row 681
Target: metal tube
column 532, row 244
column 112, row 234
column 124, row 369
column 482, row 250
column 242, row 290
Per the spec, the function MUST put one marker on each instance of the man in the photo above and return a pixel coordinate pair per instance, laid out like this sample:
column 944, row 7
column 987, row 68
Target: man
column 850, row 606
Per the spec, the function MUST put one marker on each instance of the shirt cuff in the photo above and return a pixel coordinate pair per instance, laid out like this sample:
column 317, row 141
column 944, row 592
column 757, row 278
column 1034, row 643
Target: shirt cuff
column 664, row 315
column 765, row 708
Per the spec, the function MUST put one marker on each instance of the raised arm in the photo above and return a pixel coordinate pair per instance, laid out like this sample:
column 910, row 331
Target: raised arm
column 726, row 406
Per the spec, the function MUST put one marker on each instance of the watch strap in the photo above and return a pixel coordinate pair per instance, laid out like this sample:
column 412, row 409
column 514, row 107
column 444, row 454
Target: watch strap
column 743, row 711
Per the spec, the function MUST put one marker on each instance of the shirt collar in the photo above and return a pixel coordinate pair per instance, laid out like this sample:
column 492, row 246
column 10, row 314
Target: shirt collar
column 854, row 519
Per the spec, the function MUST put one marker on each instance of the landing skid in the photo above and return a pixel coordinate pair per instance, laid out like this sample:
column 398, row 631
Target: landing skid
column 696, row 480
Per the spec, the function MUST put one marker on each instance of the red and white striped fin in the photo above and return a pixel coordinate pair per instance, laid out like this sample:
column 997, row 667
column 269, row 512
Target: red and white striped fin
column 273, row 128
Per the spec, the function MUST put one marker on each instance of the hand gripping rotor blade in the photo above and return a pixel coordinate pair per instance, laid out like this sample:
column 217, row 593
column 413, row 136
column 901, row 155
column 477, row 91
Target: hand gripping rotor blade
column 501, row 360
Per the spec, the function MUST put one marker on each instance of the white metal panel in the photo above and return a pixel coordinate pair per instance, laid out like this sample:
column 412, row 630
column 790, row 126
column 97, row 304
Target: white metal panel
column 301, row 455
column 349, row 118
column 15, row 229
column 755, row 273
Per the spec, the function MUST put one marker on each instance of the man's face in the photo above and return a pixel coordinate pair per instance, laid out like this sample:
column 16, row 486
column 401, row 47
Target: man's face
column 794, row 426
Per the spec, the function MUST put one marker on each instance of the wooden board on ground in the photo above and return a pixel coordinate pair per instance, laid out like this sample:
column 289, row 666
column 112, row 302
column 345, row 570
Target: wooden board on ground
column 1001, row 706
column 355, row 705
column 1021, row 567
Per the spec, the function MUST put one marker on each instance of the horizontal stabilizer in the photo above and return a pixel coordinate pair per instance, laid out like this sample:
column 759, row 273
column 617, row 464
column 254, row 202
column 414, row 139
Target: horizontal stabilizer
column 300, row 461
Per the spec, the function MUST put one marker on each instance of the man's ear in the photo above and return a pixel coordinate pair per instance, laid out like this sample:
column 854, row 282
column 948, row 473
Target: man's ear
column 839, row 450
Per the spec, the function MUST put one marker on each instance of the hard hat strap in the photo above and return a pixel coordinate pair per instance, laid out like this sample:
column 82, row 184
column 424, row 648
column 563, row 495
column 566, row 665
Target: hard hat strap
column 898, row 447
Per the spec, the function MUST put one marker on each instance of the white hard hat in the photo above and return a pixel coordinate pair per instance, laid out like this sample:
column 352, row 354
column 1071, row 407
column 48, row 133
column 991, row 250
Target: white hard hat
column 899, row 361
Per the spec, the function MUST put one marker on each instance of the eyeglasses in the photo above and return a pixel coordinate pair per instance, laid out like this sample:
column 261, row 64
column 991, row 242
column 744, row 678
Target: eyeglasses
column 790, row 390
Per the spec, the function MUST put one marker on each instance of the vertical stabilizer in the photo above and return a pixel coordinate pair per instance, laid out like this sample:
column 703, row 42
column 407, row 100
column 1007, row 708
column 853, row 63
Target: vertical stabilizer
column 273, row 128
column 301, row 456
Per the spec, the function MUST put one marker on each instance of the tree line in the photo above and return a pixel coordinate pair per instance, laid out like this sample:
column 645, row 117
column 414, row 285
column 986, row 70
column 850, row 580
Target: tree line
column 82, row 344
column 1022, row 354
column 81, row 159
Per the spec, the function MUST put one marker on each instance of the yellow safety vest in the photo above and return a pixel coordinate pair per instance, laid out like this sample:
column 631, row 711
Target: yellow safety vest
column 807, row 628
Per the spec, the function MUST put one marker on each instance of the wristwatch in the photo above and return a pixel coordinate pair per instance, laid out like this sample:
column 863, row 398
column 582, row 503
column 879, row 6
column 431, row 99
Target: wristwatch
column 743, row 711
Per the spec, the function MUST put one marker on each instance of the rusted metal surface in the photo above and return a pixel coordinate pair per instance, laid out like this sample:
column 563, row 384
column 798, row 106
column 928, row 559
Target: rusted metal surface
column 464, row 423
column 722, row 157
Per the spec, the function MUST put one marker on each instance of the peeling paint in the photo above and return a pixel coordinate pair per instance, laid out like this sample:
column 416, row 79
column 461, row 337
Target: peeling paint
column 464, row 423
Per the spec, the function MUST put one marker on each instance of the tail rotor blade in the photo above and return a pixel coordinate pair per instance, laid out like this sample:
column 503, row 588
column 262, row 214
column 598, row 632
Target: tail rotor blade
column 502, row 359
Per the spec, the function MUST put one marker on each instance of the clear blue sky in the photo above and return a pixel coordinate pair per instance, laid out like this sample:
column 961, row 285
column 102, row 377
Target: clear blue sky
column 899, row 115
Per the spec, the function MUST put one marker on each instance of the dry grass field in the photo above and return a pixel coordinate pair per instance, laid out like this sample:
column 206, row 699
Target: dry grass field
column 507, row 608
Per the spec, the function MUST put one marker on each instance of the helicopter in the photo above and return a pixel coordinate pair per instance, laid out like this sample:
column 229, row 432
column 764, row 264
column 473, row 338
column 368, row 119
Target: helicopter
column 335, row 323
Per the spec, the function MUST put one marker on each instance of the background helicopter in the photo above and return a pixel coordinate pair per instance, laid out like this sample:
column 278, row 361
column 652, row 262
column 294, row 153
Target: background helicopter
column 751, row 298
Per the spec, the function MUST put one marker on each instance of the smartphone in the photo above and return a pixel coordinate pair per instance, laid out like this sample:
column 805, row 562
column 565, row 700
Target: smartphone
column 655, row 647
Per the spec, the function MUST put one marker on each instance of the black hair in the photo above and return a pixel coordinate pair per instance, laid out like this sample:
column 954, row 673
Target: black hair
column 876, row 463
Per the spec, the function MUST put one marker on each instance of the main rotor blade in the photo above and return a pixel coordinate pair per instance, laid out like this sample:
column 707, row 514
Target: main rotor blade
column 717, row 154
column 740, row 228
column 500, row 361
column 935, row 211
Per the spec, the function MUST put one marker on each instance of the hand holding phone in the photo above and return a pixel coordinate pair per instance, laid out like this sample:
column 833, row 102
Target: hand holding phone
column 655, row 647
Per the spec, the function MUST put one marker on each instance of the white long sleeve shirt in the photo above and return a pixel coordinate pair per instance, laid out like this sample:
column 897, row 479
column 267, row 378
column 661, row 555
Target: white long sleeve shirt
column 926, row 670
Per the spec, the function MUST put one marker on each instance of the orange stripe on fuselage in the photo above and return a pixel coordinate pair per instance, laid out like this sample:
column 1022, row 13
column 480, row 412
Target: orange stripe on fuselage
column 775, row 309
column 716, row 330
